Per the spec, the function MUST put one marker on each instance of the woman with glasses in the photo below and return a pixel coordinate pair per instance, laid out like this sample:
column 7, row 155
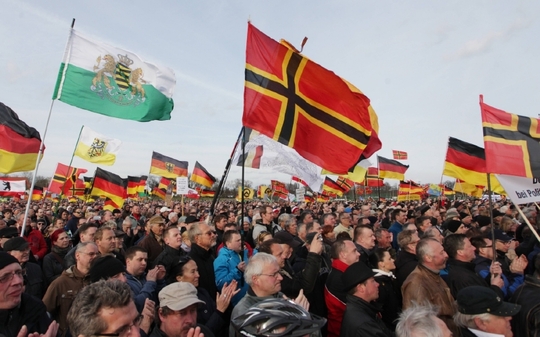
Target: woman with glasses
column 53, row 263
column 212, row 313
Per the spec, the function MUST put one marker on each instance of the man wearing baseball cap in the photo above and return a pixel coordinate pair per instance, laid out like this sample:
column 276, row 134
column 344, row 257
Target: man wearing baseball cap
column 178, row 303
column 361, row 317
column 481, row 312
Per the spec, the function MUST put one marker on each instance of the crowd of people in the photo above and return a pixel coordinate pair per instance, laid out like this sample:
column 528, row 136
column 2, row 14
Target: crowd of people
column 367, row 268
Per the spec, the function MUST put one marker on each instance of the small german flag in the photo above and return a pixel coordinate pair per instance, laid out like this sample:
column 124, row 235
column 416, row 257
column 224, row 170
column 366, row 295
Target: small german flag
column 207, row 193
column 133, row 186
column 399, row 155
column 201, row 176
column 109, row 185
column 158, row 192
column 37, row 193
column 332, row 187
column 168, row 167
column 110, row 205
column 164, row 183
column 142, row 184
column 308, row 198
column 391, row 169
column 410, row 187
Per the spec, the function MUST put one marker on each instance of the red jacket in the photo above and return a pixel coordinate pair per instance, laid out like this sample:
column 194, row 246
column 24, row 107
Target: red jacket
column 335, row 298
column 37, row 243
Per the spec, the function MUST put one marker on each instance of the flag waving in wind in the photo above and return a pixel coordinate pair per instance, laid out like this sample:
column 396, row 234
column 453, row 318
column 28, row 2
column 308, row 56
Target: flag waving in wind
column 113, row 82
column 290, row 98
column 96, row 148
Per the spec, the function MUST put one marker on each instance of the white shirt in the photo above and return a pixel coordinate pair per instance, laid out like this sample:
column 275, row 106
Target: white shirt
column 485, row 334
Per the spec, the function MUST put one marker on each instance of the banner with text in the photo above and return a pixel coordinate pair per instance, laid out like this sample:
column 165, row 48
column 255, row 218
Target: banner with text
column 521, row 190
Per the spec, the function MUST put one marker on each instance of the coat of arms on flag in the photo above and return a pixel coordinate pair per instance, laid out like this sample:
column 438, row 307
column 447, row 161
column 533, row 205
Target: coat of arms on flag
column 97, row 148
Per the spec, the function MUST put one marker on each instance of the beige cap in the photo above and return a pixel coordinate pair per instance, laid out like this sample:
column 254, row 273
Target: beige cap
column 178, row 296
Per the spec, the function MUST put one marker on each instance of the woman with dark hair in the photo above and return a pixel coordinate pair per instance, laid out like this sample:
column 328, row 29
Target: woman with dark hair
column 53, row 263
column 329, row 237
column 211, row 314
column 389, row 294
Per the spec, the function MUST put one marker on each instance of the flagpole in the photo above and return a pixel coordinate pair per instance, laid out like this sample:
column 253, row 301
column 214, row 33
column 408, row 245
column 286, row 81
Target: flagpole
column 225, row 173
column 69, row 166
column 378, row 177
column 42, row 145
column 491, row 218
column 242, row 200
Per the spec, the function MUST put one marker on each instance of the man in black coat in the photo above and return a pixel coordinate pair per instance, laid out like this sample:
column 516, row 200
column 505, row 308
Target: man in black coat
column 203, row 238
column 361, row 317
column 461, row 269
column 406, row 260
column 172, row 252
column 527, row 322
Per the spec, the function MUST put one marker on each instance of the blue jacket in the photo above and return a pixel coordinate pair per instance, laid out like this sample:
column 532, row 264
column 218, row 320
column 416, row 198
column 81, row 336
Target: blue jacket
column 143, row 289
column 225, row 271
column 395, row 229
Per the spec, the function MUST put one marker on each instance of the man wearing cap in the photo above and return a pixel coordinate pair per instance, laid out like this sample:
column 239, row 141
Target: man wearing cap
column 6, row 234
column 62, row 290
column 106, row 267
column 18, row 309
column 153, row 242
column 164, row 211
column 343, row 254
column 178, row 305
column 481, row 312
column 33, row 281
column 425, row 284
column 361, row 318
column 400, row 218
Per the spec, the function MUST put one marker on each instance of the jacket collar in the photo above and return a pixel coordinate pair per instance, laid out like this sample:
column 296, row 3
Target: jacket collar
column 339, row 265
column 367, row 307
column 467, row 265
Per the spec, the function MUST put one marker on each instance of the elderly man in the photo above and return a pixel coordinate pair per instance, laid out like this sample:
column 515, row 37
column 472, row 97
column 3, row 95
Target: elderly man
column 343, row 254
column 178, row 312
column 425, row 285
column 384, row 241
column 203, row 238
column 361, row 318
column 62, row 291
column 153, row 242
column 18, row 309
column 481, row 312
column 345, row 224
column 406, row 260
column 104, row 308
column 34, row 280
column 421, row 321
column 264, row 280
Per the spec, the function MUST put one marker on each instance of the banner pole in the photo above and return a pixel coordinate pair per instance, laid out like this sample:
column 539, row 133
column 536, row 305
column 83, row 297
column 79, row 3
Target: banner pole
column 491, row 218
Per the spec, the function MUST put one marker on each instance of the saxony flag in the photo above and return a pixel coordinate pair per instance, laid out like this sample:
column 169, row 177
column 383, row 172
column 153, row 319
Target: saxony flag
column 97, row 148
column 113, row 82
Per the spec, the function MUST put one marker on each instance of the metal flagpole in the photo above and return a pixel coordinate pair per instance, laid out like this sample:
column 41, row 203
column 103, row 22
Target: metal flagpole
column 42, row 145
column 378, row 177
column 69, row 166
column 491, row 218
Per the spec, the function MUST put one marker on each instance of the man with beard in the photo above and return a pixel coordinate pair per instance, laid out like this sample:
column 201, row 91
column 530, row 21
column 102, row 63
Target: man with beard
column 203, row 238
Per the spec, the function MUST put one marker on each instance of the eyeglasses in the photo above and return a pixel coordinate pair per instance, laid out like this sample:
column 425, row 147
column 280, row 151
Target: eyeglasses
column 210, row 233
column 124, row 331
column 274, row 275
column 9, row 276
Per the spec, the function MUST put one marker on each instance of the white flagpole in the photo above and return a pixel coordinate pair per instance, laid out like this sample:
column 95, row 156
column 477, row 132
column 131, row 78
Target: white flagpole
column 42, row 145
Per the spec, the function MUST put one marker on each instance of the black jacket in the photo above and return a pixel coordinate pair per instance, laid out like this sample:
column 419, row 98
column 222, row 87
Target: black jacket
column 30, row 312
column 362, row 319
column 389, row 300
column 527, row 321
column 168, row 258
column 209, row 316
column 205, row 263
column 292, row 282
column 405, row 264
column 463, row 274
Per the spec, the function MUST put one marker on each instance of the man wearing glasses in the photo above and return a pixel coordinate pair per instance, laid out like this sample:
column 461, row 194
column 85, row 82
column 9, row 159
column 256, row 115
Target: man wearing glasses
column 23, row 309
column 62, row 291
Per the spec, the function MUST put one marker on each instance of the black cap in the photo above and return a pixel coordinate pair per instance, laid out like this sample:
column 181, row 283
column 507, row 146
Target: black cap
column 453, row 225
column 499, row 235
column 16, row 243
column 424, row 209
column 496, row 213
column 482, row 220
column 190, row 219
column 475, row 300
column 355, row 274
column 105, row 267
column 8, row 232
column 411, row 214
column 7, row 259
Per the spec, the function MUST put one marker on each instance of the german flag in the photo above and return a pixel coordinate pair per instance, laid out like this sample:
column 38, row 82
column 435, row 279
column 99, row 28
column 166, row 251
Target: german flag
column 308, row 198
column 410, row 187
column 168, row 167
column 512, row 143
column 37, row 193
column 158, row 192
column 133, row 186
column 469, row 189
column 201, row 176
column 63, row 180
column 301, row 181
column 142, row 185
column 406, row 196
column 467, row 162
column 322, row 197
column 391, row 169
column 331, row 186
column 372, row 178
column 19, row 143
column 110, row 205
column 207, row 193
column 164, row 183
column 286, row 92
column 253, row 157
column 344, row 183
column 109, row 185
column 399, row 155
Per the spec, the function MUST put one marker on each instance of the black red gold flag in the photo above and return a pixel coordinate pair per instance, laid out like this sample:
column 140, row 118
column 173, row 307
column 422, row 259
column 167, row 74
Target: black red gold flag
column 290, row 98
column 168, row 167
column 109, row 185
column 19, row 143
column 332, row 187
column 201, row 176
column 207, row 193
column 391, row 169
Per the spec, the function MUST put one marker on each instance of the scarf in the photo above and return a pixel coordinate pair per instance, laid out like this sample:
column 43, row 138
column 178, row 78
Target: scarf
column 384, row 273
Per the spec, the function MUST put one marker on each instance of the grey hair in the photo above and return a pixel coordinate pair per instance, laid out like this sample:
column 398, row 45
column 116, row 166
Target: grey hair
column 83, row 245
column 83, row 317
column 256, row 264
column 195, row 230
column 467, row 321
column 418, row 321
column 286, row 219
column 423, row 248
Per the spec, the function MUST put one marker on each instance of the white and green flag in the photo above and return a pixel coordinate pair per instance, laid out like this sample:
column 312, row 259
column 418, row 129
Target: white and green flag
column 113, row 82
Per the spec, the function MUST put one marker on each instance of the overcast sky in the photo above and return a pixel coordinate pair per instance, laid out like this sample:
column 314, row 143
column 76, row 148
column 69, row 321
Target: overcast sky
column 422, row 64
